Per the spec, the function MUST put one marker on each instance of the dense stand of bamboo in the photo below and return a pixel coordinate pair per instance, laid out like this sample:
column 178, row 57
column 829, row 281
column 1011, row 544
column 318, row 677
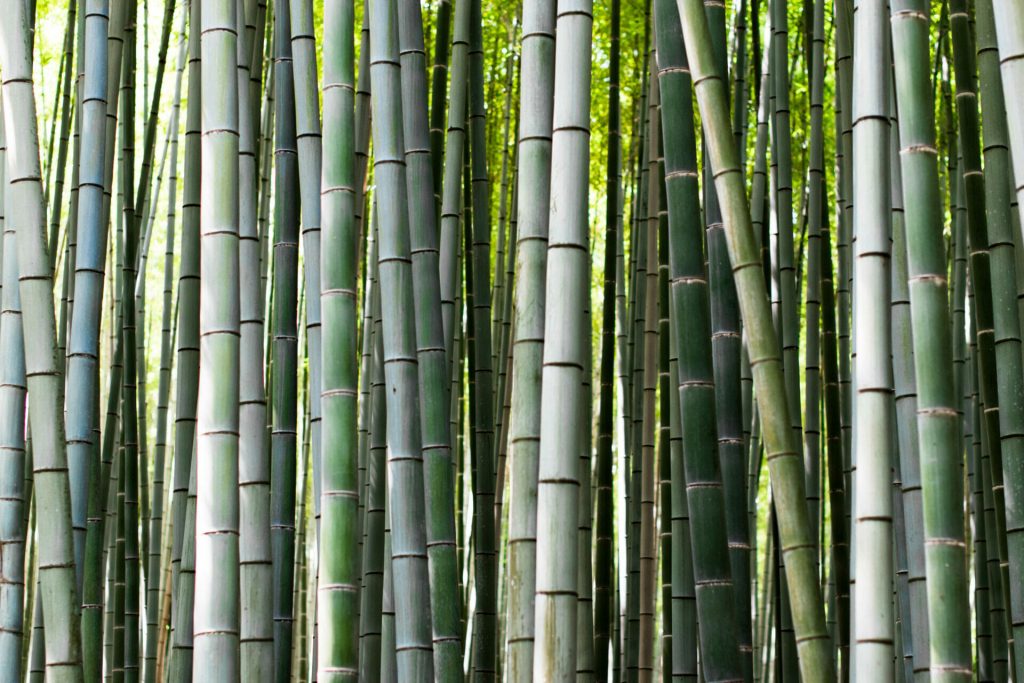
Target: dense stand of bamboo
column 530, row 342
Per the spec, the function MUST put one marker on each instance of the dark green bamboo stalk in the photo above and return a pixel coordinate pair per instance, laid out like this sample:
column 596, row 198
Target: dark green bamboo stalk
column 127, row 576
column 485, row 649
column 153, row 111
column 438, row 90
column 719, row 642
column 55, row 199
column 998, row 389
column 451, row 189
column 604, row 608
column 284, row 351
column 726, row 343
column 1004, row 291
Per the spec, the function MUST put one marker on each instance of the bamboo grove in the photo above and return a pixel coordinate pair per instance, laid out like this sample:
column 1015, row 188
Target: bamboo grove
column 411, row 340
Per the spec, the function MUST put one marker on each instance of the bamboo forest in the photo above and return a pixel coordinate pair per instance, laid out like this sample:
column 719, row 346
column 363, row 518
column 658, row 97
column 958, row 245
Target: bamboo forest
column 400, row 341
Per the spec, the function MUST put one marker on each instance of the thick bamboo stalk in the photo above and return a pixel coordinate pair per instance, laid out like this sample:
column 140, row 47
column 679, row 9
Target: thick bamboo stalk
column 716, row 606
column 217, row 618
column 567, row 295
column 338, row 581
column 45, row 405
column 405, row 461
column 432, row 366
column 873, row 633
column 937, row 417
column 12, row 442
column 534, row 160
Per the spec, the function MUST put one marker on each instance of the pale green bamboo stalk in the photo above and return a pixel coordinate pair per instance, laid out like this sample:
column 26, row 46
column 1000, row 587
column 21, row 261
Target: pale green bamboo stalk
column 537, row 78
column 339, row 568
column 12, row 442
column 95, row 172
column 217, row 619
column 180, row 664
column 26, row 211
column 567, row 296
column 873, row 440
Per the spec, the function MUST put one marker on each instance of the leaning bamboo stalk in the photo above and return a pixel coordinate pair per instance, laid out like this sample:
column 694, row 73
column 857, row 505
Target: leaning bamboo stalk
column 783, row 461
